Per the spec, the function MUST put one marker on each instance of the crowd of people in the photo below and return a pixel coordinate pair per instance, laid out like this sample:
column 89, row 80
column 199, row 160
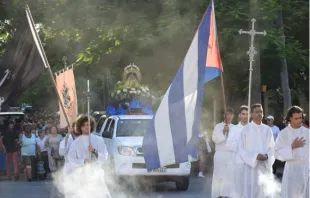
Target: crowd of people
column 32, row 146
column 243, row 152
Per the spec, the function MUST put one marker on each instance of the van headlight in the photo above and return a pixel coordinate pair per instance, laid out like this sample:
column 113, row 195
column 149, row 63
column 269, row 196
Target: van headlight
column 126, row 151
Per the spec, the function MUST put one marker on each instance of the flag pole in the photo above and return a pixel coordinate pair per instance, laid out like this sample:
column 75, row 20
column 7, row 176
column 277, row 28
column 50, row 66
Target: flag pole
column 88, row 115
column 44, row 58
column 223, row 91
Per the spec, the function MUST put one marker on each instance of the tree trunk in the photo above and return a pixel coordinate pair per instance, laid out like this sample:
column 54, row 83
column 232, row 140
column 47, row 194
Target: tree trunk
column 287, row 99
column 256, row 77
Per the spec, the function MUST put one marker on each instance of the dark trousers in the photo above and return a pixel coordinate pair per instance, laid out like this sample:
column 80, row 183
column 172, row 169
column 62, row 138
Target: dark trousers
column 44, row 158
column 277, row 164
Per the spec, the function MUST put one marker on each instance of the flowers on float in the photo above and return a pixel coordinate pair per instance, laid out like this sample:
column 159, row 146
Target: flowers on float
column 124, row 90
column 118, row 92
column 118, row 82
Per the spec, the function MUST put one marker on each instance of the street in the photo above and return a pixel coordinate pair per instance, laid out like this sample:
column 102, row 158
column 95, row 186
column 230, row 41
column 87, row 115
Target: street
column 198, row 187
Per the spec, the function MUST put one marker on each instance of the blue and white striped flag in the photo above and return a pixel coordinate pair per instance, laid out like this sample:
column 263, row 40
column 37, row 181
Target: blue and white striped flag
column 172, row 136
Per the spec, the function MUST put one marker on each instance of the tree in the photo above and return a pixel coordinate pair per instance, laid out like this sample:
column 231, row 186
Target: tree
column 105, row 36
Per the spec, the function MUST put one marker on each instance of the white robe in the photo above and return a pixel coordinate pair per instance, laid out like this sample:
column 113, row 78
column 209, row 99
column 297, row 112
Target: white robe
column 232, row 144
column 256, row 139
column 295, row 182
column 64, row 150
column 87, row 179
column 222, row 180
column 78, row 152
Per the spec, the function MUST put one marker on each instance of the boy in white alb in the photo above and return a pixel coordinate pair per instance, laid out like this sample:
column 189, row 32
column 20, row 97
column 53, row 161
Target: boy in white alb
column 232, row 144
column 292, row 146
column 222, row 180
column 86, row 159
column 255, row 148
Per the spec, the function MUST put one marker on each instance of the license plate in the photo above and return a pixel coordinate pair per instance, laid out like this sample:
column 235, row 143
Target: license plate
column 160, row 170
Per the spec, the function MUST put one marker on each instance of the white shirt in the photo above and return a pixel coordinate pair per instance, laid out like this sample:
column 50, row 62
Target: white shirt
column 40, row 142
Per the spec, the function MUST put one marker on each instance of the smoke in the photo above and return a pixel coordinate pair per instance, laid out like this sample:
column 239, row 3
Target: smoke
column 91, row 181
column 84, row 182
column 271, row 186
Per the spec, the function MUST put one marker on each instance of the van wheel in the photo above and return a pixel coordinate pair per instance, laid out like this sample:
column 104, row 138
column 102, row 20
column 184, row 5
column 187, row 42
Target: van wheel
column 182, row 183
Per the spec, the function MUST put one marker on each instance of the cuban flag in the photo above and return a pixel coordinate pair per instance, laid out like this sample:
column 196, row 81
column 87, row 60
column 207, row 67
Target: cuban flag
column 172, row 136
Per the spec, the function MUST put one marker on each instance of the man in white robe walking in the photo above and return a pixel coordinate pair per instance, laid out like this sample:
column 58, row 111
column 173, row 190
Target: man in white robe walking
column 232, row 144
column 255, row 148
column 292, row 146
column 86, row 159
column 222, row 180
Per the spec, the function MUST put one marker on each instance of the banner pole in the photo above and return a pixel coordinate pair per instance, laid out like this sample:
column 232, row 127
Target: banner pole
column 223, row 91
column 88, row 116
column 43, row 55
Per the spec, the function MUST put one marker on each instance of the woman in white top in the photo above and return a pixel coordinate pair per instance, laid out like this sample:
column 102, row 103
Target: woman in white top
column 28, row 151
column 42, row 149
column 52, row 143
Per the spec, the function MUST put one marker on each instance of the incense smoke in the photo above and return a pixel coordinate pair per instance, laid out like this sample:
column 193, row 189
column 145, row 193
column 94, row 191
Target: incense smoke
column 84, row 182
column 271, row 186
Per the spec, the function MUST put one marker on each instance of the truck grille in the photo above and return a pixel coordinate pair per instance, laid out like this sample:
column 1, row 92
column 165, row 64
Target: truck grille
column 139, row 151
column 143, row 166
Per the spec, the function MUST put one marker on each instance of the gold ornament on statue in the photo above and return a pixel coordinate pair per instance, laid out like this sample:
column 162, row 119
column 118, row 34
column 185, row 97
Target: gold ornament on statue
column 132, row 76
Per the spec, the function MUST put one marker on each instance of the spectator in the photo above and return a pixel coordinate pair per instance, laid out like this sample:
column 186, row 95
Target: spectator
column 50, row 123
column 1, row 143
column 18, row 126
column 52, row 142
column 204, row 149
column 28, row 152
column 10, row 142
column 275, row 129
column 42, row 151
column 41, row 123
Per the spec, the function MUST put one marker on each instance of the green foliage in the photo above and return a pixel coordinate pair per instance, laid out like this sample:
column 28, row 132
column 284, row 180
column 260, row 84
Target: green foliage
column 102, row 37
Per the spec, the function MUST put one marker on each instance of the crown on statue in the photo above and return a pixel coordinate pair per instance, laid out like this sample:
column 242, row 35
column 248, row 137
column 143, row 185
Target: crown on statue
column 132, row 75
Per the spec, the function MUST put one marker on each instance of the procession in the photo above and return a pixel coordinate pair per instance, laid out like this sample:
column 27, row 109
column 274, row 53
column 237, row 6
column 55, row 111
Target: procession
column 118, row 116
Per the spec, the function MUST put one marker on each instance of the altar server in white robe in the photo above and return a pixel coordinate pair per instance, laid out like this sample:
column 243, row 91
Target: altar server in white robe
column 222, row 180
column 88, row 175
column 255, row 147
column 232, row 144
column 292, row 146
column 80, row 148
column 65, row 145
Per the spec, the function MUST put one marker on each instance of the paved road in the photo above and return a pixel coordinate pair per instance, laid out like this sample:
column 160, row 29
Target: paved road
column 198, row 188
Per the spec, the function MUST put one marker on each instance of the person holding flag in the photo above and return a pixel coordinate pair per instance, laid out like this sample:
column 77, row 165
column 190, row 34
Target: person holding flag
column 222, row 180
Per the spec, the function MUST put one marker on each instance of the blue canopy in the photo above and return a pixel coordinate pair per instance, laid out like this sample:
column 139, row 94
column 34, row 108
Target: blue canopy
column 135, row 103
